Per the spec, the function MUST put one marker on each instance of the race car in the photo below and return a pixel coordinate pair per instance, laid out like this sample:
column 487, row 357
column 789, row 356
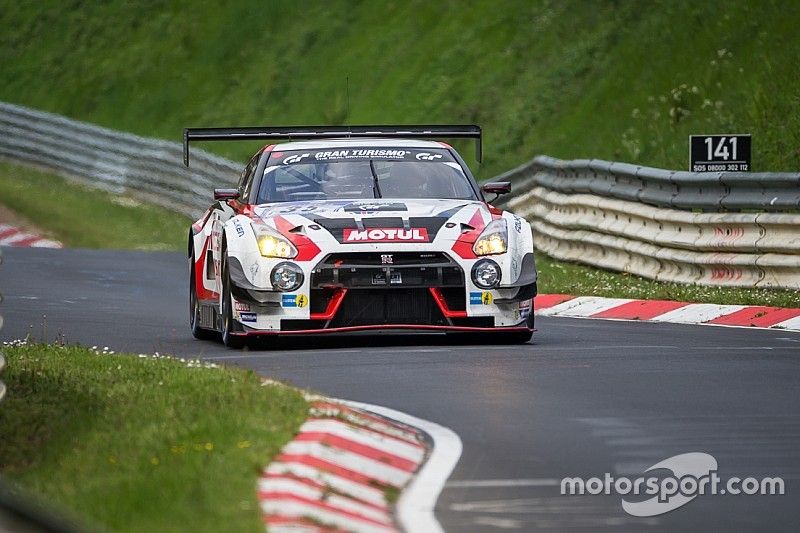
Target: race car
column 341, row 229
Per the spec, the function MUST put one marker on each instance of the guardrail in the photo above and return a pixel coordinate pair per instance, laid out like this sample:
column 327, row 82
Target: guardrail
column 604, row 214
column 150, row 169
column 612, row 215
column 707, row 191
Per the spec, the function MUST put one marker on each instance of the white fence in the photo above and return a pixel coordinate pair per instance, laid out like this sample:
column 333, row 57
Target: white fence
column 150, row 169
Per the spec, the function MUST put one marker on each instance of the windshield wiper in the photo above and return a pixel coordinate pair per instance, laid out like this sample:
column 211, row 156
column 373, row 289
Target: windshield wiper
column 376, row 189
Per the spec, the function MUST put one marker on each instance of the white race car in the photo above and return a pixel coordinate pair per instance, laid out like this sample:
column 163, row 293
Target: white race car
column 358, row 228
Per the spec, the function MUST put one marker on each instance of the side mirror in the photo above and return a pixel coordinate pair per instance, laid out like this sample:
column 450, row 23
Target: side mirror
column 226, row 194
column 498, row 188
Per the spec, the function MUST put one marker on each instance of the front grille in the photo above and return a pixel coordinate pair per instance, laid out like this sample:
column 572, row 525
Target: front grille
column 400, row 306
column 387, row 270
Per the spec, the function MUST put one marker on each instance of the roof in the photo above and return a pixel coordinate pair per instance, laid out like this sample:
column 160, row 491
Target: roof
column 359, row 142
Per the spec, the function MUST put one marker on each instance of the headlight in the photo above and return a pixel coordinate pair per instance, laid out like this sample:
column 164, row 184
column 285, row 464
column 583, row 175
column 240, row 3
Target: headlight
column 493, row 240
column 286, row 276
column 273, row 244
column 486, row 274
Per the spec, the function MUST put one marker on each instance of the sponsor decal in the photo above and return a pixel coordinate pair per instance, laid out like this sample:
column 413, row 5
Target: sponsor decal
column 296, row 158
column 386, row 259
column 248, row 317
column 385, row 235
column 333, row 155
column 294, row 300
column 362, row 154
column 518, row 224
column 480, row 298
column 238, row 226
column 364, row 207
column 241, row 306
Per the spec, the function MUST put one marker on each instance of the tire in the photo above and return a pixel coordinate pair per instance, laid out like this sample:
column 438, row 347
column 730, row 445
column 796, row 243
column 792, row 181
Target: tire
column 194, row 306
column 228, row 324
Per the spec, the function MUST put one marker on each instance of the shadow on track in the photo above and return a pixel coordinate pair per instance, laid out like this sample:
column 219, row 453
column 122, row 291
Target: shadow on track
column 365, row 340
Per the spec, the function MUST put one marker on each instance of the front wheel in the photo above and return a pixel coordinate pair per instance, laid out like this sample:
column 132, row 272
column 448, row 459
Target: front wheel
column 228, row 325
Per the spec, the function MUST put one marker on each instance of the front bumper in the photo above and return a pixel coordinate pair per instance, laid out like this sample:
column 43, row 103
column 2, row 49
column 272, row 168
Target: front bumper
column 367, row 291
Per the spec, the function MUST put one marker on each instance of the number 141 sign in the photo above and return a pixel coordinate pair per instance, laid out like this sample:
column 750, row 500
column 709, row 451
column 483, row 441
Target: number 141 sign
column 719, row 153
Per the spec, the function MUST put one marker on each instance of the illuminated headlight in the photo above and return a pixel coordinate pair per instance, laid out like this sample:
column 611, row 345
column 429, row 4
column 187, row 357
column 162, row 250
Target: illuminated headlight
column 486, row 274
column 286, row 276
column 493, row 240
column 273, row 244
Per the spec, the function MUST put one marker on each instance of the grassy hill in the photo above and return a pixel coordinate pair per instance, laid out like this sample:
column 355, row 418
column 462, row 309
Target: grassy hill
column 610, row 79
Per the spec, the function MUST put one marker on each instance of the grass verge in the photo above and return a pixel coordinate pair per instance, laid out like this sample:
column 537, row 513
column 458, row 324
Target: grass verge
column 88, row 218
column 141, row 444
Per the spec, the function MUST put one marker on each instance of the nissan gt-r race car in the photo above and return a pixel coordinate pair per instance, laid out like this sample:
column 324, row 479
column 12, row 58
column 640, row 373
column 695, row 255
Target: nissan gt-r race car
column 358, row 228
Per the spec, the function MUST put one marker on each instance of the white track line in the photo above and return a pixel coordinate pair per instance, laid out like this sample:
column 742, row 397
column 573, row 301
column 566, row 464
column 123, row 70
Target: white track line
column 697, row 313
column 416, row 504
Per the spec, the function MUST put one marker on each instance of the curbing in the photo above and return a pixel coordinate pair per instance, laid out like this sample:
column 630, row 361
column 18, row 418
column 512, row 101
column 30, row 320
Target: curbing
column 346, row 465
column 748, row 316
column 15, row 237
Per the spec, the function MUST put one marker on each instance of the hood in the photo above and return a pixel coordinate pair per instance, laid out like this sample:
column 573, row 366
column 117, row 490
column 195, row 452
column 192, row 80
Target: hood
column 364, row 209
column 390, row 220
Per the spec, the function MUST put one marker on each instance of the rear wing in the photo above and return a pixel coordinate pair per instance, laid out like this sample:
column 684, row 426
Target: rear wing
column 330, row 132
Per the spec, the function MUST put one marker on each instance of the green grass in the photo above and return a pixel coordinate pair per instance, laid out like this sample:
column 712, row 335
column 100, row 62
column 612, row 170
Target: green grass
column 141, row 444
column 614, row 79
column 88, row 218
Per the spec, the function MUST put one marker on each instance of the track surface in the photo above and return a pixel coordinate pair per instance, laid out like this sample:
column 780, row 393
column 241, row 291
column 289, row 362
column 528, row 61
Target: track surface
column 587, row 397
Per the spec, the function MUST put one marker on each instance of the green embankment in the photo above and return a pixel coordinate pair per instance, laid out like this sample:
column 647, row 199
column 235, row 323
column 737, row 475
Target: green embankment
column 615, row 79
column 141, row 444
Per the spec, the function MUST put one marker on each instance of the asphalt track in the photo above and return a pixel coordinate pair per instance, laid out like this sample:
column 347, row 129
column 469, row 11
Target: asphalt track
column 585, row 398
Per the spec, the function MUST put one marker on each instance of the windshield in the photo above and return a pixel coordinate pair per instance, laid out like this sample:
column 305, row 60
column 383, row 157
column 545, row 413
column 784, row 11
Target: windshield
column 360, row 173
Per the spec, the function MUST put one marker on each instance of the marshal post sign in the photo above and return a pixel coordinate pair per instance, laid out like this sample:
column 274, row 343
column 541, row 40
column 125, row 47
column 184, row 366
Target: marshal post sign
column 719, row 153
